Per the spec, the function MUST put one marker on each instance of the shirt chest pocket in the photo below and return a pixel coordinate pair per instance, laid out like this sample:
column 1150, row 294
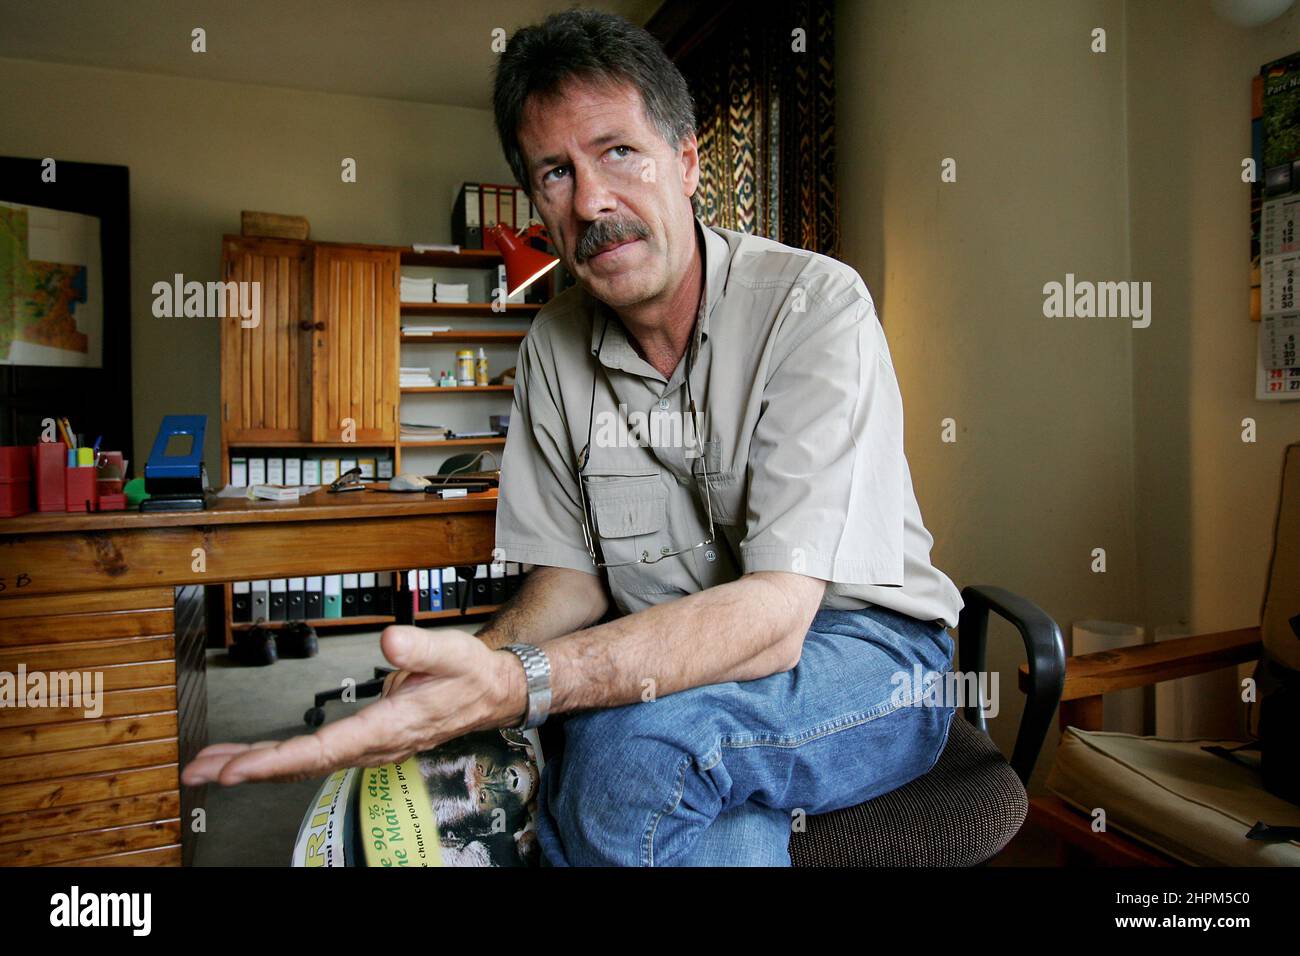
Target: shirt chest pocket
column 630, row 521
column 629, row 512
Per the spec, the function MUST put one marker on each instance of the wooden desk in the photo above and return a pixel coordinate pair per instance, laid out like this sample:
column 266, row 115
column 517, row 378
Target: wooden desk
column 121, row 594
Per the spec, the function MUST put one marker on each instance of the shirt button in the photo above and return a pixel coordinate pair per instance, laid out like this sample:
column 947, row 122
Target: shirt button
column 709, row 555
column 663, row 403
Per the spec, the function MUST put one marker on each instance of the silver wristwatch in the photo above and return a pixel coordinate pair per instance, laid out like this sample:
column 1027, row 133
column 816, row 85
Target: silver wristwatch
column 537, row 670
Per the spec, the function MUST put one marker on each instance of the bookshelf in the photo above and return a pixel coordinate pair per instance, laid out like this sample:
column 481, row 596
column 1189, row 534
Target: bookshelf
column 417, row 402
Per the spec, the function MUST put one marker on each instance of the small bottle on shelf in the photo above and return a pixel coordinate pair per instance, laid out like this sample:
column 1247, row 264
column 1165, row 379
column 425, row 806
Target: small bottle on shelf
column 480, row 368
column 465, row 367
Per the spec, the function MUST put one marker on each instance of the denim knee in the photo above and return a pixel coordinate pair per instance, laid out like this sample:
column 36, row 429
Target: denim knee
column 617, row 777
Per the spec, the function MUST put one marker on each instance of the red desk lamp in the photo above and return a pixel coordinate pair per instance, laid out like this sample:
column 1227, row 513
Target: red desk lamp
column 524, row 263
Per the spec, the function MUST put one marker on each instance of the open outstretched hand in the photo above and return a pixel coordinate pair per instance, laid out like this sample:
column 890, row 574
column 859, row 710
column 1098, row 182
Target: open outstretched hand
column 451, row 684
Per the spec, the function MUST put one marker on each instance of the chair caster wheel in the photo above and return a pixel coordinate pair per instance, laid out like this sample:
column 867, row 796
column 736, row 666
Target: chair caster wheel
column 314, row 717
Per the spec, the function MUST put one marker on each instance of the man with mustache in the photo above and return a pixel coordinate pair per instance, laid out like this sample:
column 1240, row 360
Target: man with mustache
column 720, row 616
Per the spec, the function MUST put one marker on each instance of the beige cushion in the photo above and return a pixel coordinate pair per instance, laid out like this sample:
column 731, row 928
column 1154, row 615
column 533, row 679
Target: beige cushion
column 1172, row 795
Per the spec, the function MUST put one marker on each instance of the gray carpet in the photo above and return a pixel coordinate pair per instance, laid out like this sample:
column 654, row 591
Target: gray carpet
column 256, row 824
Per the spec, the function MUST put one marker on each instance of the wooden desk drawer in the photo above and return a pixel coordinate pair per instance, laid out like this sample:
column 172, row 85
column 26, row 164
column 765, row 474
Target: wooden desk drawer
column 87, row 655
column 70, row 763
column 80, row 628
column 117, row 703
column 158, row 856
column 37, row 824
column 85, row 734
column 78, row 846
column 16, row 605
column 88, row 788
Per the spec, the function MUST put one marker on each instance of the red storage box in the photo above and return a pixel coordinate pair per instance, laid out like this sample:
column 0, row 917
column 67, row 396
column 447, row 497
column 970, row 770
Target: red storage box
column 112, row 502
column 15, row 498
column 81, row 494
column 15, row 462
column 15, row 480
column 51, row 483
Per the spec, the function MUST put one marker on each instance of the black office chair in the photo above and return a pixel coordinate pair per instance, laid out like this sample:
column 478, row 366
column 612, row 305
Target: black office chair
column 972, row 802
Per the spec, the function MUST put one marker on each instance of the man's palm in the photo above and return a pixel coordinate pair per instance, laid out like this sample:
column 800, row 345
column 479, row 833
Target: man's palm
column 448, row 687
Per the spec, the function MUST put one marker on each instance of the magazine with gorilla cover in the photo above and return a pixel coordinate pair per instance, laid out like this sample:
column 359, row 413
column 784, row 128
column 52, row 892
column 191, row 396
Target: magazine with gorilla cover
column 471, row 801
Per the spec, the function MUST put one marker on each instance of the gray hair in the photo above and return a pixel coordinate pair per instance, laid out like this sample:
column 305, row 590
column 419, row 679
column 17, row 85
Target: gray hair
column 592, row 46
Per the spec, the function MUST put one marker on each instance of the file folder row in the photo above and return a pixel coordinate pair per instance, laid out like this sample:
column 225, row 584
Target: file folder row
column 322, row 597
column 303, row 471
column 439, row 589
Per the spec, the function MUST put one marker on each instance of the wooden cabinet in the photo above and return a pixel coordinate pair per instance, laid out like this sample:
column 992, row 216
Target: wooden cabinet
column 356, row 345
column 266, row 369
column 321, row 363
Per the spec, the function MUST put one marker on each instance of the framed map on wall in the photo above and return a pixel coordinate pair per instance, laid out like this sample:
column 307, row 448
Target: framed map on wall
column 51, row 287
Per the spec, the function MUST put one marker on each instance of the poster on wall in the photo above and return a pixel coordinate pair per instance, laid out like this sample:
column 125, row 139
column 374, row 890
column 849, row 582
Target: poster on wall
column 1276, row 238
column 51, row 288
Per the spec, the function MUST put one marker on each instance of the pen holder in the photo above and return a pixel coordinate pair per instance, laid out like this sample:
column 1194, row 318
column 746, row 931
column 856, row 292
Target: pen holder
column 109, row 483
column 15, row 480
column 51, row 480
column 81, row 494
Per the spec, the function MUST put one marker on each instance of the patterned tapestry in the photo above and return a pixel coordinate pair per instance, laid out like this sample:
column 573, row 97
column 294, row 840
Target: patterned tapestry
column 765, row 119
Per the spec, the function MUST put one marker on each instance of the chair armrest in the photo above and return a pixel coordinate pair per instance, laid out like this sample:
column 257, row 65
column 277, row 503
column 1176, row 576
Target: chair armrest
column 1091, row 675
column 1045, row 674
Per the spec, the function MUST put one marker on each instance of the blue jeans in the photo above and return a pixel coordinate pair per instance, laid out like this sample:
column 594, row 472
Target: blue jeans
column 718, row 775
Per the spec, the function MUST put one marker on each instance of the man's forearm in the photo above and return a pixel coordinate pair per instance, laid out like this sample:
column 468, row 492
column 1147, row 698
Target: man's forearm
column 742, row 630
column 552, row 602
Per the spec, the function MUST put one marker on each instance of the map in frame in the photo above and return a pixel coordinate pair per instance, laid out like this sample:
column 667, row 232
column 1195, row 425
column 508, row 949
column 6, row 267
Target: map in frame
column 51, row 288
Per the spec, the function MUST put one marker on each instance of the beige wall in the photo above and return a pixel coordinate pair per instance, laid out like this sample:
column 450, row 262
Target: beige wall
column 1073, row 433
column 1209, row 500
column 200, row 151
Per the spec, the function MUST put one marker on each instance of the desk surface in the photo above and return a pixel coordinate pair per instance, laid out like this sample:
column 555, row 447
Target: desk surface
column 318, row 506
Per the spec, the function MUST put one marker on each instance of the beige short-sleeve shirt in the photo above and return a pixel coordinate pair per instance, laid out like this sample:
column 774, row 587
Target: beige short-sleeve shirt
column 801, row 422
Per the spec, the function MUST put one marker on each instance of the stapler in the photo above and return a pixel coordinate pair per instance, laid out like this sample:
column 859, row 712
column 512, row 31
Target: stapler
column 173, row 475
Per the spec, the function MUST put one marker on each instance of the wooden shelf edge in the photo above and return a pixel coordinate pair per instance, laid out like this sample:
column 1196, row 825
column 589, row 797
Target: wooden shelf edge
column 468, row 335
column 454, row 442
column 429, row 389
column 443, row 259
column 365, row 619
column 308, row 444
column 468, row 308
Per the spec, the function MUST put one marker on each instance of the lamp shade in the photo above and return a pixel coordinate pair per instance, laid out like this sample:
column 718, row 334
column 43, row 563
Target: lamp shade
column 524, row 264
column 1250, row 13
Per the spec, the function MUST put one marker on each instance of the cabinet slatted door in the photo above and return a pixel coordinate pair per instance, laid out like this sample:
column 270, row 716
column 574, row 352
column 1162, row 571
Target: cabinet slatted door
column 266, row 369
column 356, row 353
